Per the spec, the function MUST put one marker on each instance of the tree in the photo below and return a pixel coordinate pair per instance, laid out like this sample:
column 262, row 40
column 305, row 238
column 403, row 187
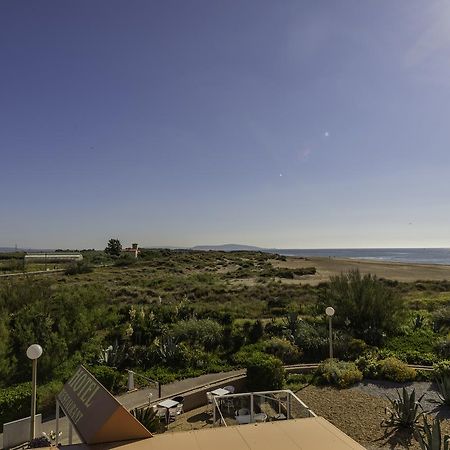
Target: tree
column 114, row 247
column 364, row 304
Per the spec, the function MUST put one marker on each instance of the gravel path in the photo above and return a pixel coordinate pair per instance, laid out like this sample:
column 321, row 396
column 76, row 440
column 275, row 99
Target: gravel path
column 382, row 389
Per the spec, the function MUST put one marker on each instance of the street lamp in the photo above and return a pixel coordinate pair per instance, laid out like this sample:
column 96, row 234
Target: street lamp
column 34, row 351
column 330, row 313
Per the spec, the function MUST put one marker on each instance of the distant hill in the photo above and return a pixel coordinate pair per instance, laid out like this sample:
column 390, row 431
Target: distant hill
column 229, row 248
column 9, row 249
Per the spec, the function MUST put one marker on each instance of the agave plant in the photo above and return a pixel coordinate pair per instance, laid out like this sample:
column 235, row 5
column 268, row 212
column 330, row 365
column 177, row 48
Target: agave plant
column 147, row 416
column 430, row 436
column 405, row 411
column 443, row 384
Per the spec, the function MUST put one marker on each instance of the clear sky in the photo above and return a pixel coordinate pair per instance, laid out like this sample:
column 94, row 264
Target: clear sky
column 301, row 124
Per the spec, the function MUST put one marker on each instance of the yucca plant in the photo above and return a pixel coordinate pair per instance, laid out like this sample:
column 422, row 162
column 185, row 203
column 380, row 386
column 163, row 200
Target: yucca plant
column 443, row 384
column 147, row 416
column 430, row 436
column 405, row 411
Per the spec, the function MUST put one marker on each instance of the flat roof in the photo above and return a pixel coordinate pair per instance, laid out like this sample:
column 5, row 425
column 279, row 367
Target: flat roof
column 313, row 433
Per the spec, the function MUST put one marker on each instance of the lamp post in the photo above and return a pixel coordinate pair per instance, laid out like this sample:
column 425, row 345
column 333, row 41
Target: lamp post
column 34, row 351
column 330, row 313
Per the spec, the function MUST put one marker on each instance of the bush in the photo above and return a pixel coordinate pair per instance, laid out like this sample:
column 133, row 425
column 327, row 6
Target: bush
column 77, row 268
column 205, row 332
column 125, row 260
column 413, row 344
column 111, row 379
column 393, row 369
column 369, row 365
column 264, row 372
column 338, row 373
column 46, row 395
column 442, row 369
column 296, row 381
column 282, row 349
column 443, row 348
column 14, row 403
column 355, row 348
column 364, row 303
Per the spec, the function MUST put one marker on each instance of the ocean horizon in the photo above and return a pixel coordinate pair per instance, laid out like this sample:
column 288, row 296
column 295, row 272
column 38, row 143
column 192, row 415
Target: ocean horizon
column 406, row 255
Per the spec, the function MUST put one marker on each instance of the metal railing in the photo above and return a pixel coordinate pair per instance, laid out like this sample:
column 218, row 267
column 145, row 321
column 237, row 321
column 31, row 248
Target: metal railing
column 269, row 395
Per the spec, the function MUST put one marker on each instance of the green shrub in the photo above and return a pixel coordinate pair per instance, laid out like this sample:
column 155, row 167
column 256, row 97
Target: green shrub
column 125, row 260
column 443, row 348
column 365, row 304
column 205, row 332
column 295, row 381
column 355, row 348
column 264, row 372
column 416, row 347
column 14, row 403
column 111, row 378
column 369, row 365
column 282, row 349
column 393, row 369
column 77, row 268
column 338, row 373
column 46, row 395
column 442, row 369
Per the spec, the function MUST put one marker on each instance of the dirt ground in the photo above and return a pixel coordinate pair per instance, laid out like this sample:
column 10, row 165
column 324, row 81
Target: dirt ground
column 358, row 412
column 359, row 415
column 327, row 267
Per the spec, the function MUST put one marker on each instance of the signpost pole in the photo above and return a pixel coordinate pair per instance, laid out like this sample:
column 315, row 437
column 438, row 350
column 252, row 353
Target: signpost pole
column 57, row 423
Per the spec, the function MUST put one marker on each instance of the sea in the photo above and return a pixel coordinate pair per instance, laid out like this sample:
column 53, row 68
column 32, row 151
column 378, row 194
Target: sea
column 406, row 255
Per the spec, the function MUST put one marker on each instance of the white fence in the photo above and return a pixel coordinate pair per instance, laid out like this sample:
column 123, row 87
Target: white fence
column 18, row 432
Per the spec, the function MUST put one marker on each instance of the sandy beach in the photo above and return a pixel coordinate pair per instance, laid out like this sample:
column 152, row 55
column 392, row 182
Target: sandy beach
column 327, row 267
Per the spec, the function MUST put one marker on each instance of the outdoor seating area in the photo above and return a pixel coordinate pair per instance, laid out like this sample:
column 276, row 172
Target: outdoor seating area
column 224, row 406
column 252, row 407
column 169, row 409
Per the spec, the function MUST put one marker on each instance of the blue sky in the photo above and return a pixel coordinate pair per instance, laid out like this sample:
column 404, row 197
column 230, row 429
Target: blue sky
column 302, row 124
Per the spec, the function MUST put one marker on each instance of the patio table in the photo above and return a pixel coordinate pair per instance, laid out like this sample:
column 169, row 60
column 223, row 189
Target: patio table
column 220, row 391
column 169, row 403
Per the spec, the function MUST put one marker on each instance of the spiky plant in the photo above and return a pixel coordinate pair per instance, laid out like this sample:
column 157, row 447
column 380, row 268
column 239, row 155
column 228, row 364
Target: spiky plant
column 430, row 436
column 443, row 384
column 147, row 416
column 405, row 411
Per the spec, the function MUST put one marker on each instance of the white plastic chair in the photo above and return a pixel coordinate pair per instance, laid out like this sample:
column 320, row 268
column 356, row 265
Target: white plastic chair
column 209, row 398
